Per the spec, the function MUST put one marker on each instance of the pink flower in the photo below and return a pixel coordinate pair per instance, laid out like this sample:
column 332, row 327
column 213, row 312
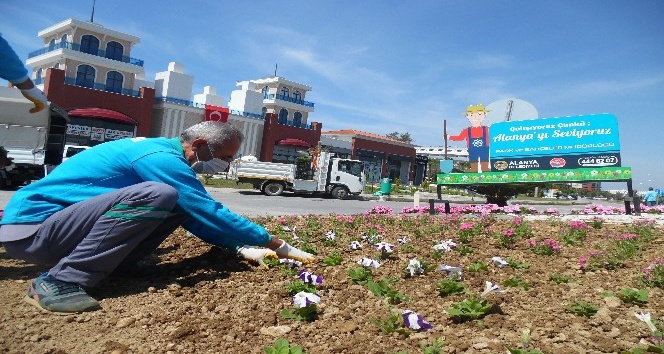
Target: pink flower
column 466, row 226
column 531, row 242
column 583, row 261
column 508, row 232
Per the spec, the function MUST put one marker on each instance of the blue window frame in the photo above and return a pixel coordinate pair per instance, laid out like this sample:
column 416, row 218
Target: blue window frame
column 283, row 116
column 265, row 91
column 297, row 119
column 263, row 112
column 63, row 39
column 85, row 76
column 285, row 92
column 90, row 44
column 114, row 82
column 297, row 95
column 51, row 44
column 114, row 50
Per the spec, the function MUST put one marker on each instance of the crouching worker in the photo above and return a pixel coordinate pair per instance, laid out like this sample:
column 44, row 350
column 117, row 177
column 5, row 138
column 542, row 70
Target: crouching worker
column 110, row 206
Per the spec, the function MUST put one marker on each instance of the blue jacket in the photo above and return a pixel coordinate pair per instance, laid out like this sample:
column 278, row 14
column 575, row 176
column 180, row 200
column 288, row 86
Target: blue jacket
column 11, row 67
column 122, row 163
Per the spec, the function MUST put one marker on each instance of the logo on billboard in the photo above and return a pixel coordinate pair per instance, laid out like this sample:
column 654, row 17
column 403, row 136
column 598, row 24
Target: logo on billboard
column 557, row 162
column 500, row 165
column 598, row 161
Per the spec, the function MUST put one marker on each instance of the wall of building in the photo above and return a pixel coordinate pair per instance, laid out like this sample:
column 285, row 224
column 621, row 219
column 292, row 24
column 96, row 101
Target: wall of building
column 71, row 97
column 273, row 132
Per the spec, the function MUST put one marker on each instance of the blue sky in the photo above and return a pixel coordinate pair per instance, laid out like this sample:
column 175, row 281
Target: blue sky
column 384, row 66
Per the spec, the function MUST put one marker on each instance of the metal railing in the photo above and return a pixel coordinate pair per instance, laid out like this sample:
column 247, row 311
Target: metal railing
column 77, row 47
column 290, row 123
column 272, row 96
column 102, row 87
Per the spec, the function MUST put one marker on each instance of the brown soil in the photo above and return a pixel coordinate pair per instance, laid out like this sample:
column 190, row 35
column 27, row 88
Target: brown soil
column 206, row 300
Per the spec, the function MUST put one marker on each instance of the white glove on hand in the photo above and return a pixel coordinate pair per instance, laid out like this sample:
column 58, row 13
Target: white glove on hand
column 288, row 251
column 37, row 97
column 255, row 254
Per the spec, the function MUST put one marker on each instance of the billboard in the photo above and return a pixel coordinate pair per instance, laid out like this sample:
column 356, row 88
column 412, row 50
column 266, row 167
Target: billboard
column 588, row 141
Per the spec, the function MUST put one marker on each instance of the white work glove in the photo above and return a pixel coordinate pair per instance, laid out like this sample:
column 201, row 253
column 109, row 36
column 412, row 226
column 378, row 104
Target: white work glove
column 288, row 251
column 37, row 97
column 256, row 254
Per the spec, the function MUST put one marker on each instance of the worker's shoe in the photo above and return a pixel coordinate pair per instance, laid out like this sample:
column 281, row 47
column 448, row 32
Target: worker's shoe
column 59, row 297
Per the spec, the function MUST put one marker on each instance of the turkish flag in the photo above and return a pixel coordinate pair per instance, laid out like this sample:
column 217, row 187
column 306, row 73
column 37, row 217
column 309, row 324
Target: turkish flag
column 215, row 113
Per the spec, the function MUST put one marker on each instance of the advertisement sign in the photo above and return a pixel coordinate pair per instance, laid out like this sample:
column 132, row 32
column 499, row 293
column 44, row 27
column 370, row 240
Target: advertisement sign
column 589, row 141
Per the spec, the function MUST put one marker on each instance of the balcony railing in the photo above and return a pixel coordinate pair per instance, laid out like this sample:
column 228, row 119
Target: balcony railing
column 290, row 123
column 38, row 81
column 101, row 87
column 271, row 96
column 246, row 114
column 77, row 47
column 179, row 101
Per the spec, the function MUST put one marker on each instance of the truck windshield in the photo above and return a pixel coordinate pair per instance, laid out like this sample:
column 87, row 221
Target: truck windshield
column 353, row 167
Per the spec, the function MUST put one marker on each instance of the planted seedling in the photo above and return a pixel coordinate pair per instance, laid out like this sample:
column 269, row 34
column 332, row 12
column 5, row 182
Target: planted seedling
column 517, row 283
column 302, row 314
column 478, row 267
column 470, row 309
column 298, row 286
column 333, row 259
column 392, row 324
column 360, row 275
column 281, row 346
column 449, row 286
column 383, row 288
column 582, row 308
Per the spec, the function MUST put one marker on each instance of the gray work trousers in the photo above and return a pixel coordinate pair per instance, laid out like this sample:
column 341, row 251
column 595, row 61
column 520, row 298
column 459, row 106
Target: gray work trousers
column 86, row 241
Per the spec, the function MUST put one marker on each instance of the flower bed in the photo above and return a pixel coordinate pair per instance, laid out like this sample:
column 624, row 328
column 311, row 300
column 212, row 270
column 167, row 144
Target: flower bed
column 409, row 283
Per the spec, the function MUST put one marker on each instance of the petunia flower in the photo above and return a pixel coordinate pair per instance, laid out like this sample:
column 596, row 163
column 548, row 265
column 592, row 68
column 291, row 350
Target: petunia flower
column 414, row 266
column 449, row 270
column 368, row 262
column 384, row 247
column 355, row 245
column 402, row 240
column 286, row 228
column 414, row 321
column 330, row 236
column 445, row 245
column 490, row 287
column 310, row 277
column 304, row 299
column 499, row 262
column 290, row 262
column 645, row 317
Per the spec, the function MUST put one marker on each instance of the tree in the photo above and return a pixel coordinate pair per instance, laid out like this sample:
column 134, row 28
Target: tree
column 405, row 137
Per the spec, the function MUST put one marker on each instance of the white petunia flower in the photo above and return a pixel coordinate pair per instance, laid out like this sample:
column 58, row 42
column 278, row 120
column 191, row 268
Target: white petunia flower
column 304, row 299
column 402, row 240
column 414, row 267
column 290, row 262
column 445, row 245
column 368, row 262
column 450, row 271
column 384, row 247
column 499, row 262
column 355, row 245
column 330, row 236
column 645, row 317
column 490, row 287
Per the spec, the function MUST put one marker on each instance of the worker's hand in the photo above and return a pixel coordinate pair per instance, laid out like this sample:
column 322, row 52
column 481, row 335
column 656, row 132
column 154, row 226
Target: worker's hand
column 37, row 97
column 256, row 254
column 288, row 251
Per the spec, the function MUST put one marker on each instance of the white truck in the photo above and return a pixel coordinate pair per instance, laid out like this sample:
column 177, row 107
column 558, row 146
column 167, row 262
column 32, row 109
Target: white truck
column 325, row 174
column 33, row 142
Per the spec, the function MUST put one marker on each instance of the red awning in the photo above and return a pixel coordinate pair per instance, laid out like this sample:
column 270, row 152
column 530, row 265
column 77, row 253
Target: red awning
column 294, row 142
column 103, row 114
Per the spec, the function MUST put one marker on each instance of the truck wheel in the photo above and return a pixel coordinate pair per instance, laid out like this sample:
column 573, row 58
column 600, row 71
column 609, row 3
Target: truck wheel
column 273, row 188
column 339, row 193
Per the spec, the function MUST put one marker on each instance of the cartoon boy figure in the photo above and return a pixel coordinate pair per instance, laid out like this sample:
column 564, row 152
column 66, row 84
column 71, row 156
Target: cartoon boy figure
column 477, row 137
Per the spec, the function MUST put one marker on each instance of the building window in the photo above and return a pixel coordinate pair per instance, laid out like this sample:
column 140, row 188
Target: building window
column 264, row 112
column 51, row 44
column 283, row 116
column 297, row 119
column 114, row 82
column 89, row 44
column 265, row 91
column 285, row 92
column 297, row 95
column 63, row 39
column 114, row 50
column 40, row 72
column 56, row 65
column 85, row 76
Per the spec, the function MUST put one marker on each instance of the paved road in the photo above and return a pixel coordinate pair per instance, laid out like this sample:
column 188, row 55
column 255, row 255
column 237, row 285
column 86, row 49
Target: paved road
column 253, row 203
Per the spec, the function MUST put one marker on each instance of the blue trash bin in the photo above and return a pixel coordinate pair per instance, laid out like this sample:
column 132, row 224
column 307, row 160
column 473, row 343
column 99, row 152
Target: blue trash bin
column 385, row 186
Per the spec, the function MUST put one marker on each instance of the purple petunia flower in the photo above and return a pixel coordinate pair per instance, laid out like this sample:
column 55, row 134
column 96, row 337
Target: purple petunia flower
column 355, row 245
column 414, row 321
column 449, row 270
column 310, row 277
column 402, row 240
